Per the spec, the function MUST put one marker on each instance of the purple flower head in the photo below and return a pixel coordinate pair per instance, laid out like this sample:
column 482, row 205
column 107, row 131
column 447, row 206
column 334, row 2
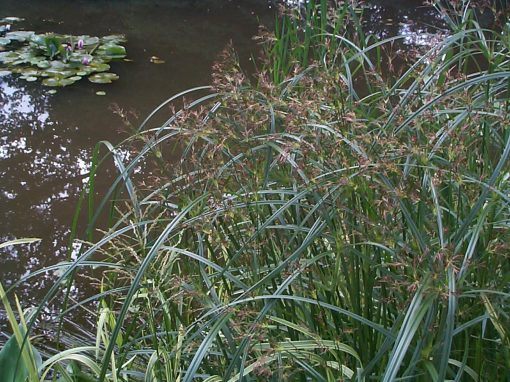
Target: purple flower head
column 85, row 61
column 69, row 47
column 80, row 44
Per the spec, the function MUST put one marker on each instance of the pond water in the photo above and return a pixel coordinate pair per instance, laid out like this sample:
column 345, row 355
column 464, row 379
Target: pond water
column 46, row 139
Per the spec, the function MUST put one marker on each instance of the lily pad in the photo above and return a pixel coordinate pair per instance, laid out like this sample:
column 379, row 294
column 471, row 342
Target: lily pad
column 103, row 78
column 8, row 57
column 54, row 81
column 19, row 35
column 114, row 38
column 58, row 65
column 4, row 73
column 88, row 40
column 11, row 19
column 81, row 57
column 100, row 67
column 29, row 72
column 58, row 59
column 112, row 50
column 62, row 73
column 43, row 64
column 35, row 60
column 101, row 93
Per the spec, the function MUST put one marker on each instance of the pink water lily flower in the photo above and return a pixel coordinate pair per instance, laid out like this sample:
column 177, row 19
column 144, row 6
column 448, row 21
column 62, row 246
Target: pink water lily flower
column 85, row 61
column 80, row 44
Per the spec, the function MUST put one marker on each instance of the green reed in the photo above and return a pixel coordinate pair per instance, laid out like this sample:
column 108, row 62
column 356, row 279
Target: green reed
column 310, row 230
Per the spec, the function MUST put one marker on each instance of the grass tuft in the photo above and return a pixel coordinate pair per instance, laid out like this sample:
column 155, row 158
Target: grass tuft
column 326, row 221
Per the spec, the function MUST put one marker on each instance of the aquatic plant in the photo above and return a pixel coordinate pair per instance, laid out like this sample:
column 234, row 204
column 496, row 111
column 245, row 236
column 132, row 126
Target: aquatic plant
column 309, row 232
column 60, row 60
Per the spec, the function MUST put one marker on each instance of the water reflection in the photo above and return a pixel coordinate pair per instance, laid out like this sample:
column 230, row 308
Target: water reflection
column 46, row 139
column 38, row 166
column 416, row 23
column 20, row 106
column 44, row 164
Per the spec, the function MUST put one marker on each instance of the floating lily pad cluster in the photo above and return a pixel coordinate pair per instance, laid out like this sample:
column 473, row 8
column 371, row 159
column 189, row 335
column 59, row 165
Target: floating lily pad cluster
column 57, row 59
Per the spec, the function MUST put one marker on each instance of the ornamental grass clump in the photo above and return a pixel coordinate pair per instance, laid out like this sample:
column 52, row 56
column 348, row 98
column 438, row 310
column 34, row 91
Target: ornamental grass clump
column 309, row 232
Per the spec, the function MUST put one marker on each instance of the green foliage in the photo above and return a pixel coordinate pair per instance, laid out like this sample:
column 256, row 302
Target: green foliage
column 11, row 367
column 18, row 359
column 60, row 60
column 309, row 232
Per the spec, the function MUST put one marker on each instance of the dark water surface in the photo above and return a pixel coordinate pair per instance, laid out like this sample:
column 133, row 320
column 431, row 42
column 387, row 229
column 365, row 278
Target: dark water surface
column 46, row 140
